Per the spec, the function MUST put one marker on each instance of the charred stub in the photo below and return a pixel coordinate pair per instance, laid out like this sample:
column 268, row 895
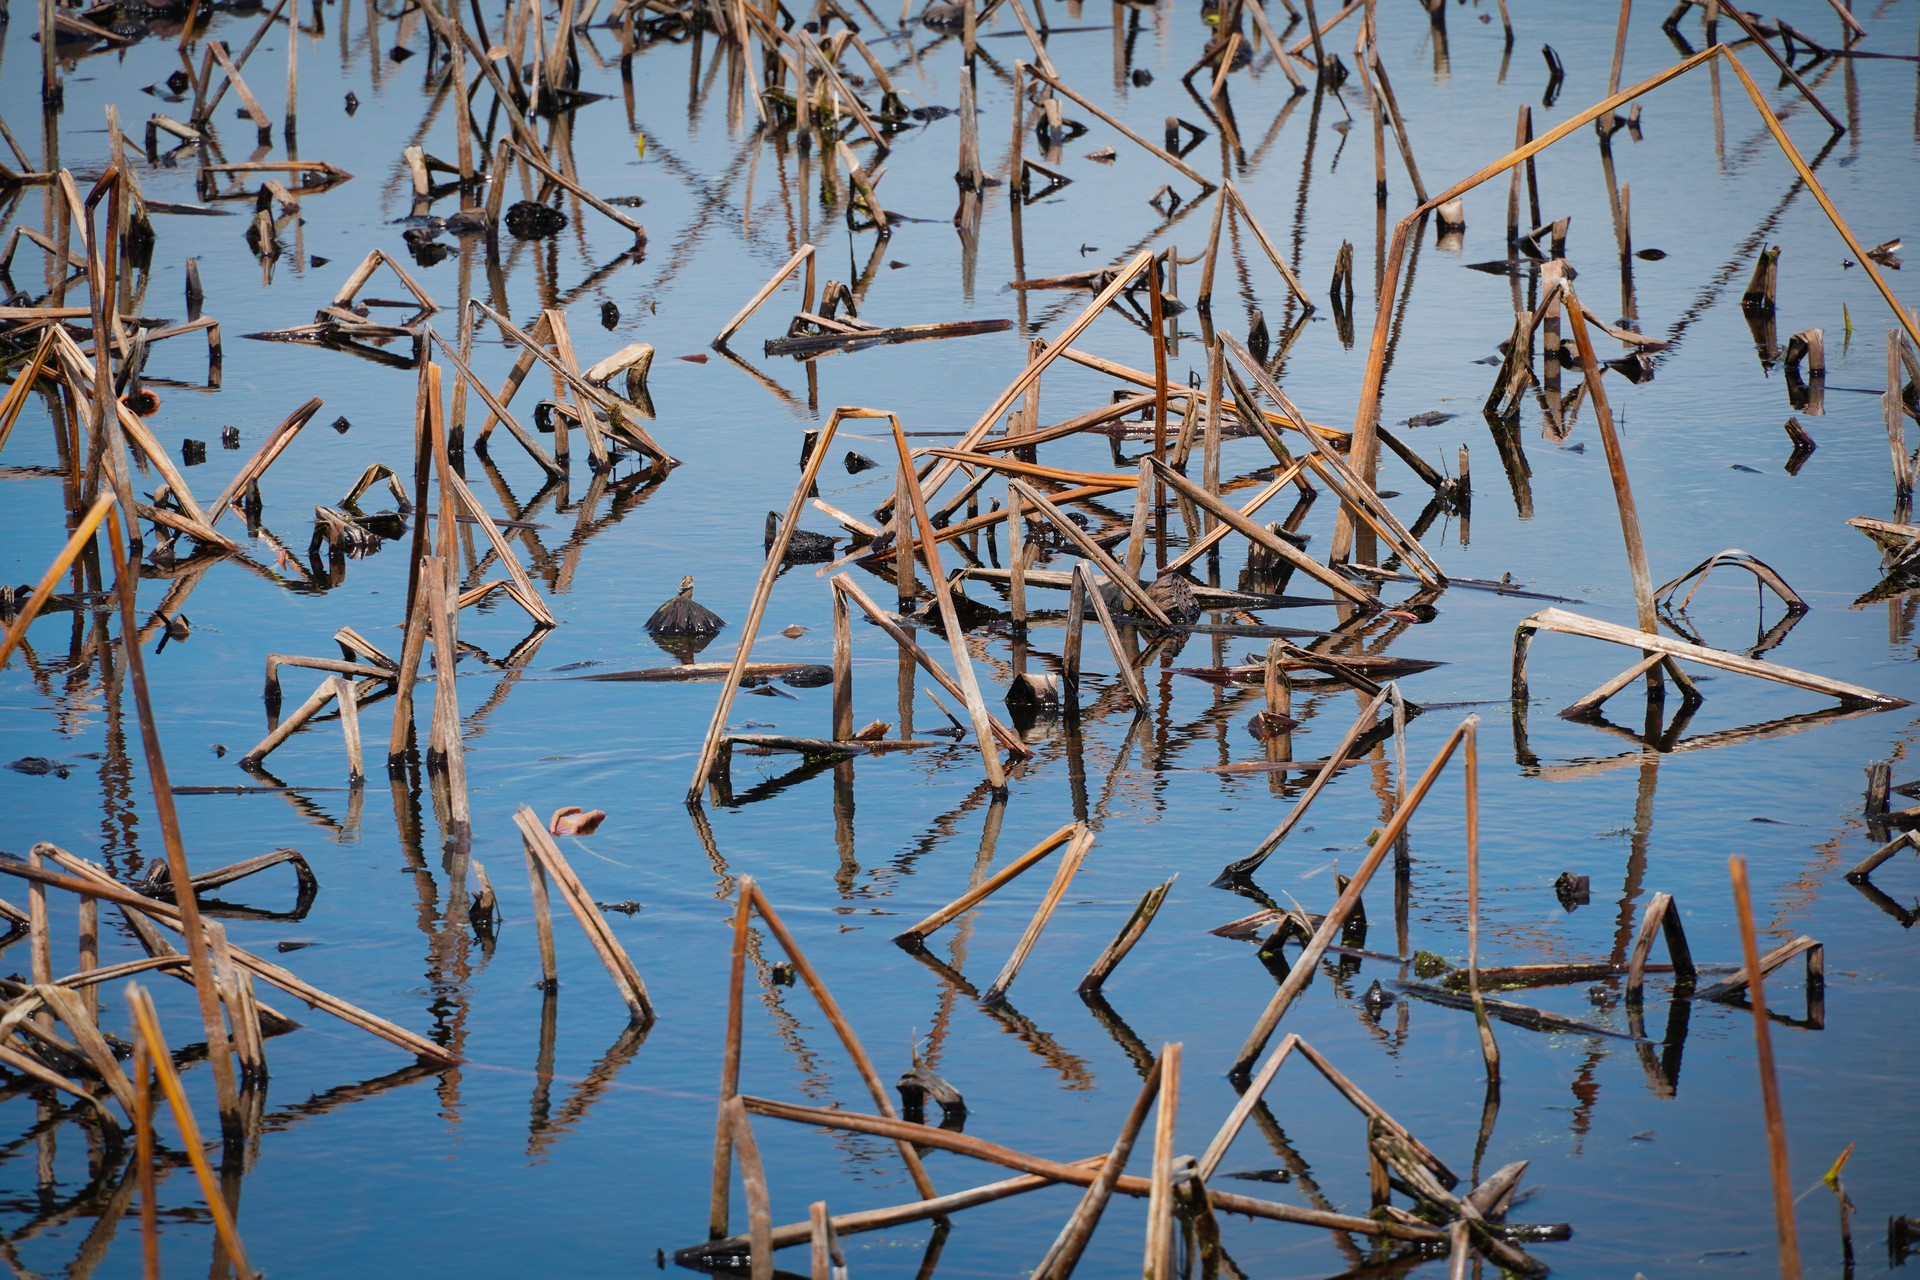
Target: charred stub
column 684, row 616
column 804, row 546
column 919, row 1084
column 1270, row 724
column 530, row 220
column 683, row 626
column 1173, row 592
column 1572, row 890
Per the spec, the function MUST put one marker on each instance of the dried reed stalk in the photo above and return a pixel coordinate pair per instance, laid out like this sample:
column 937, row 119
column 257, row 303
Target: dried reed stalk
column 1384, row 91
column 1144, row 503
column 1077, row 595
column 803, row 258
column 147, row 1022
column 143, row 1076
column 24, row 1064
column 1356, row 492
column 1118, row 576
column 22, row 386
column 93, row 882
column 446, row 753
column 497, row 411
column 1418, row 1150
column 1123, row 277
column 919, row 933
column 1867, row 865
column 1122, row 652
column 1030, row 436
column 1244, row 212
column 1264, row 537
column 776, row 556
column 1079, row 1175
column 538, row 163
column 842, row 670
column 1745, row 23
column 544, row 854
column 348, row 700
column 89, row 929
column 1573, row 624
column 1005, row 736
column 1186, row 170
column 1130, row 933
column 217, row 53
column 1018, row 555
column 1272, row 40
column 163, row 957
column 39, row 931
column 1365, row 448
column 1470, row 779
column 1893, row 404
column 1616, row 463
column 1769, row 1085
column 270, row 449
column 1063, row 873
column 1728, row 989
column 71, row 1009
column 528, row 597
column 302, row 870
column 1362, row 724
column 1064, row 1255
column 248, row 1047
column 1209, row 257
column 457, row 36
column 412, row 648
column 1316, row 31
column 1253, row 418
column 828, row 1262
column 1763, row 573
column 1661, row 916
column 43, row 590
column 1336, row 917
column 753, row 1178
column 1159, row 1251
column 275, row 661
column 841, row 1027
column 1034, row 470
column 950, row 622
column 881, row 1219
column 1220, row 529
column 204, row 981
column 721, row 1189
column 551, row 329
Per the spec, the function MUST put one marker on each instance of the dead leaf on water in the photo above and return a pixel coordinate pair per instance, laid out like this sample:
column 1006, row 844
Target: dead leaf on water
column 575, row 821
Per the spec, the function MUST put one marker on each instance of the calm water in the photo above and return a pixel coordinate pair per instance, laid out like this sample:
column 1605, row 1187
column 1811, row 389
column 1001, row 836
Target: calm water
column 565, row 1145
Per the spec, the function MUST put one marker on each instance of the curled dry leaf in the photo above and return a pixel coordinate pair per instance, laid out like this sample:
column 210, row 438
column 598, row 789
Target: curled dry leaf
column 572, row 820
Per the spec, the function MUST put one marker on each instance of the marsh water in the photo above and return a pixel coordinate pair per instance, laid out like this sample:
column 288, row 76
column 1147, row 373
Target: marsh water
column 565, row 1144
